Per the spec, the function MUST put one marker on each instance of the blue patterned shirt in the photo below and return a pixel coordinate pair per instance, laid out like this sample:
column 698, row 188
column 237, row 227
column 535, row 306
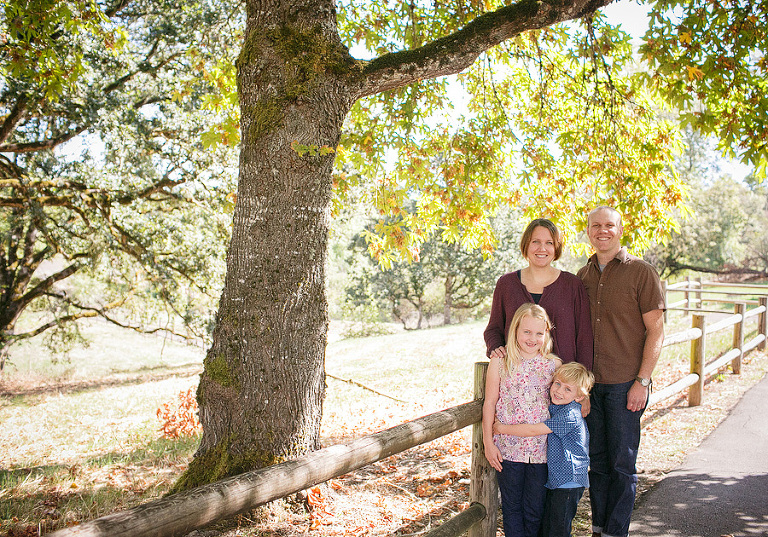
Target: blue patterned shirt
column 567, row 447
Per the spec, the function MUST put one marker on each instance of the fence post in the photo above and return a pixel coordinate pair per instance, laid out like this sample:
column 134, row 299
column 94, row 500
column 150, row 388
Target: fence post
column 699, row 296
column 483, row 487
column 738, row 336
column 698, row 353
column 687, row 305
column 762, row 324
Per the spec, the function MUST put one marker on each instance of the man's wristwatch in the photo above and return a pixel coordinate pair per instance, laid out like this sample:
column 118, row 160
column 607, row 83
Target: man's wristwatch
column 643, row 382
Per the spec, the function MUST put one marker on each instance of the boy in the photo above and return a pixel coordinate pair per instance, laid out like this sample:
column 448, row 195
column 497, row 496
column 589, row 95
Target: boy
column 567, row 446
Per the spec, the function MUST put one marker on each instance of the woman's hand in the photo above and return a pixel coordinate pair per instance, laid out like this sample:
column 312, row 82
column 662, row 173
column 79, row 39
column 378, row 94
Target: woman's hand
column 499, row 352
column 493, row 455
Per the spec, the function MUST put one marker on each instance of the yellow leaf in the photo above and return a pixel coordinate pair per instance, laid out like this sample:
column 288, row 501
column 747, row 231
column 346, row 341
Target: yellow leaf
column 695, row 72
column 685, row 38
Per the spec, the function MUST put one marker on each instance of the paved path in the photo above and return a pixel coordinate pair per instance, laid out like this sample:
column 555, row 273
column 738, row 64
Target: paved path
column 722, row 488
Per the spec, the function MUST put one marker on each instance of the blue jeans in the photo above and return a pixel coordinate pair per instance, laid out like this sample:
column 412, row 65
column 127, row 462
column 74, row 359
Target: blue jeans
column 614, row 437
column 522, row 497
column 559, row 510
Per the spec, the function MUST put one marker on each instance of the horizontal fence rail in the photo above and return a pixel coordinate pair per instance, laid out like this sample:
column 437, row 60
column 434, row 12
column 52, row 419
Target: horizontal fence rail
column 460, row 523
column 183, row 512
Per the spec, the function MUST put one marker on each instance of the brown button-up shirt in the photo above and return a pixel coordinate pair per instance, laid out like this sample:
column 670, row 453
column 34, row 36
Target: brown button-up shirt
column 626, row 289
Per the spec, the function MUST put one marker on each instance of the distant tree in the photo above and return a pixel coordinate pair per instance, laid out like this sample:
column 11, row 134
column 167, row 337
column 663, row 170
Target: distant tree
column 102, row 170
column 443, row 279
column 401, row 290
column 723, row 228
column 727, row 223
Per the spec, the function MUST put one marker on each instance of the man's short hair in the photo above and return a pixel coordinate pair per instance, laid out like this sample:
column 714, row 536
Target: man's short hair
column 604, row 208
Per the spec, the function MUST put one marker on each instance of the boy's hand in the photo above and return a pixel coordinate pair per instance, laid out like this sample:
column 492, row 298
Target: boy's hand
column 497, row 427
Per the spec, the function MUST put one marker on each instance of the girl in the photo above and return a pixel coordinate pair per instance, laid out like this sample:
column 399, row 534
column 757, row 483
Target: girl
column 517, row 391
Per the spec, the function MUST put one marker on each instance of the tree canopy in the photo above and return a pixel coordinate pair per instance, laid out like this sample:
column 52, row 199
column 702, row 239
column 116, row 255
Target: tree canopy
column 708, row 59
column 546, row 120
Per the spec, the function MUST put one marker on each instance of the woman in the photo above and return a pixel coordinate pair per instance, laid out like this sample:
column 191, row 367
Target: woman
column 560, row 293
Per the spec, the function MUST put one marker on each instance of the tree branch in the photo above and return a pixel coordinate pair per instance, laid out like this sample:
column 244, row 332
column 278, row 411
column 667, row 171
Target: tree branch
column 350, row 381
column 675, row 267
column 79, row 192
column 44, row 286
column 454, row 53
column 44, row 144
column 13, row 119
column 65, row 137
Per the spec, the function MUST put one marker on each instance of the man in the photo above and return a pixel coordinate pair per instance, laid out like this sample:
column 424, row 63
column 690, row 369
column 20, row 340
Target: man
column 627, row 306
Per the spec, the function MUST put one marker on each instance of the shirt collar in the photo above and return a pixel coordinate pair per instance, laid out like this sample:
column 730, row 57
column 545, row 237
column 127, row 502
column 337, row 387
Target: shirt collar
column 622, row 256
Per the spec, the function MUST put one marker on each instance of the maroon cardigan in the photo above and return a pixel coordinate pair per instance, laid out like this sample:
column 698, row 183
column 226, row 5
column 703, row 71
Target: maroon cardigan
column 565, row 301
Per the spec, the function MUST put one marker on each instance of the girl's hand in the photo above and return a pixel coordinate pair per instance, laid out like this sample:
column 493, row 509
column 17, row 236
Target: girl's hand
column 493, row 455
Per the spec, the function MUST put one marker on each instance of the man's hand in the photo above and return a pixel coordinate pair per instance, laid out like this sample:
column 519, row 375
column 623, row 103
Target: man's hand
column 637, row 396
column 586, row 406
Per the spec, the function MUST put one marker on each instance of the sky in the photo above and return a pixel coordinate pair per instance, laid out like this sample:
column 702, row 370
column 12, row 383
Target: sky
column 632, row 16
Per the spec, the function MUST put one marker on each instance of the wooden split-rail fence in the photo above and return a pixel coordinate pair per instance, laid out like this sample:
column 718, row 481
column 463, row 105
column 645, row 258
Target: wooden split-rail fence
column 184, row 512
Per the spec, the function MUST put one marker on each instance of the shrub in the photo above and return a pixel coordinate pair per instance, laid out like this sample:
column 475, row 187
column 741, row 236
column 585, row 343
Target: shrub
column 179, row 419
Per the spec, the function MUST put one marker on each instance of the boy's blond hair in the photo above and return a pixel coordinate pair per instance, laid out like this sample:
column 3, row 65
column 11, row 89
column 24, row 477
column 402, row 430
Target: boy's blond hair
column 577, row 375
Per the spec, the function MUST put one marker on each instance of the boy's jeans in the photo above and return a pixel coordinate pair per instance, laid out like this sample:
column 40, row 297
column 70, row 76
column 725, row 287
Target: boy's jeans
column 559, row 510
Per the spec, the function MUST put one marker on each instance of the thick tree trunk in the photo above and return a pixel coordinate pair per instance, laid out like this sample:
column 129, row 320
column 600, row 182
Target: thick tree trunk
column 261, row 393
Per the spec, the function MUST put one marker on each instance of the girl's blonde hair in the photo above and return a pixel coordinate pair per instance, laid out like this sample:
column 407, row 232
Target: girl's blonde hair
column 528, row 309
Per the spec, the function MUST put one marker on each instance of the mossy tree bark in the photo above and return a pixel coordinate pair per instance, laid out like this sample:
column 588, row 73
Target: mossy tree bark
column 261, row 393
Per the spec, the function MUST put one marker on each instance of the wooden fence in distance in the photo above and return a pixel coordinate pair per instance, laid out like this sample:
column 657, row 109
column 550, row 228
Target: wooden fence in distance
column 181, row 513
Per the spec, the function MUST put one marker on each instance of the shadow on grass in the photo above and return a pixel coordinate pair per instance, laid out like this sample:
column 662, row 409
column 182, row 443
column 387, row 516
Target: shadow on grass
column 56, row 495
column 138, row 376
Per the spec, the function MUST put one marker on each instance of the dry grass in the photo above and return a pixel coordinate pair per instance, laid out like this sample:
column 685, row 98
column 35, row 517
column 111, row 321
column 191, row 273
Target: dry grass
column 79, row 447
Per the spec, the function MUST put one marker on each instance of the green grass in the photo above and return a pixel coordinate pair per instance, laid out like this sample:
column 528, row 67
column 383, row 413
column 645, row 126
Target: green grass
column 111, row 351
column 410, row 364
column 81, row 438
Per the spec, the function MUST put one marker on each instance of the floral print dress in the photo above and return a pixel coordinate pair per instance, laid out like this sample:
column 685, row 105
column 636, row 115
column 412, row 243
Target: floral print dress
column 524, row 398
